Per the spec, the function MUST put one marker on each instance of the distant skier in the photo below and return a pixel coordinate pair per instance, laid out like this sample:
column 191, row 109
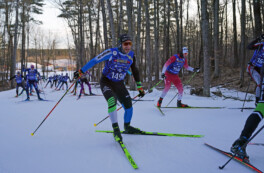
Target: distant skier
column 64, row 80
column 75, row 87
column 49, row 81
column 250, row 126
column 170, row 73
column 19, row 83
column 84, row 80
column 55, row 80
column 118, row 61
column 60, row 78
column 256, row 62
column 32, row 80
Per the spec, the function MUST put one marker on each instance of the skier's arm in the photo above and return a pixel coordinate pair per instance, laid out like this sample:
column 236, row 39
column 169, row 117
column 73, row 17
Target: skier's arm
column 135, row 73
column 254, row 44
column 24, row 77
column 105, row 55
column 135, row 70
column 168, row 62
column 12, row 77
column 187, row 67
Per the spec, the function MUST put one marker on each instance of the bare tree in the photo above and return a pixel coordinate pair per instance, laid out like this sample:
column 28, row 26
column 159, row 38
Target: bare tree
column 104, row 24
column 243, row 44
column 178, row 44
column 216, row 39
column 156, row 36
column 235, row 61
column 148, row 70
column 129, row 5
column 205, row 26
column 257, row 17
column 13, row 60
column 111, row 20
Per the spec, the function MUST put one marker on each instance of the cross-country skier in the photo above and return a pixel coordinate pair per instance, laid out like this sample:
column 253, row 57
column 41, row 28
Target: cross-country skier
column 170, row 73
column 32, row 80
column 75, row 87
column 49, row 81
column 60, row 77
column 84, row 80
column 19, row 82
column 256, row 62
column 55, row 80
column 250, row 126
column 64, row 80
column 118, row 61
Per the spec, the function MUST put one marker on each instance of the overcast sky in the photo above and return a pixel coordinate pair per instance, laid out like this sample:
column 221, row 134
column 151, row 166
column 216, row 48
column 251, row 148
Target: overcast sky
column 51, row 23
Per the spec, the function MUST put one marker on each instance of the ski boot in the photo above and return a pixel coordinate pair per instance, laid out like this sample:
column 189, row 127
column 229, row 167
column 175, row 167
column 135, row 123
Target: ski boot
column 16, row 96
column 27, row 99
column 180, row 104
column 41, row 99
column 159, row 102
column 92, row 94
column 239, row 150
column 131, row 130
column 117, row 133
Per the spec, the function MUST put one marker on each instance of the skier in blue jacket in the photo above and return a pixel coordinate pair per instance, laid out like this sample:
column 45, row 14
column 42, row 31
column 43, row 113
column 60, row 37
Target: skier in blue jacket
column 256, row 62
column 19, row 83
column 118, row 60
column 32, row 80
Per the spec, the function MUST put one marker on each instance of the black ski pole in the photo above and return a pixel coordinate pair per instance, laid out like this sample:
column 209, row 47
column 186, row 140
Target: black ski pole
column 32, row 134
column 245, row 96
column 222, row 167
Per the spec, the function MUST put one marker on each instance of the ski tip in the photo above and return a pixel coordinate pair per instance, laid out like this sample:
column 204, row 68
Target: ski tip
column 94, row 125
column 32, row 134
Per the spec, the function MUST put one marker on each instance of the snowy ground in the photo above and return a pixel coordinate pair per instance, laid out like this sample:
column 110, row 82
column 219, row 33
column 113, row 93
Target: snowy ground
column 67, row 142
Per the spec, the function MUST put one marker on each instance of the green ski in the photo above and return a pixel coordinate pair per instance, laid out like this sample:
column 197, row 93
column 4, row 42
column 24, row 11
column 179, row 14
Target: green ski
column 159, row 110
column 155, row 134
column 196, row 107
column 129, row 157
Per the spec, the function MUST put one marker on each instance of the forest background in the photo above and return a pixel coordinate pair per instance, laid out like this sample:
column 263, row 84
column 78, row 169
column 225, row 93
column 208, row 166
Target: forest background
column 216, row 33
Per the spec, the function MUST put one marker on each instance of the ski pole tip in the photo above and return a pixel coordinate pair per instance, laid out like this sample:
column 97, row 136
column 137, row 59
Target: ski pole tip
column 32, row 134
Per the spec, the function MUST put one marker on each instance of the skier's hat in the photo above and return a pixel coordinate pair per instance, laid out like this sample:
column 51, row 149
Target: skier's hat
column 124, row 37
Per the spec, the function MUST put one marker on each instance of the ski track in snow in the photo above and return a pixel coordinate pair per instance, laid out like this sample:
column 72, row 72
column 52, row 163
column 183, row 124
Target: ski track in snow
column 67, row 142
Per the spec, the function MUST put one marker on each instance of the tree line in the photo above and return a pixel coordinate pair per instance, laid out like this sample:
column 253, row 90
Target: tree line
column 216, row 32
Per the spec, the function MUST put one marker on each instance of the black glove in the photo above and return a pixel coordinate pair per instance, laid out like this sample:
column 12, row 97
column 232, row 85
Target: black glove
column 78, row 74
column 140, row 89
column 196, row 70
column 141, row 92
column 163, row 76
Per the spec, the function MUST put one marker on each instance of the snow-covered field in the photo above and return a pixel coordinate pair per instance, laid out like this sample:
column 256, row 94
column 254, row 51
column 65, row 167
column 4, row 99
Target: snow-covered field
column 67, row 142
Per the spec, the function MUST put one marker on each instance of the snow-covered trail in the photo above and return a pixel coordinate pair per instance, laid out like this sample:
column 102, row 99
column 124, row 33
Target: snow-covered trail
column 67, row 142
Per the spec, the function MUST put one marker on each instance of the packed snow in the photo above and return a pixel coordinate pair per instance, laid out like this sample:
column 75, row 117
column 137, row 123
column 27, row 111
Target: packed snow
column 67, row 142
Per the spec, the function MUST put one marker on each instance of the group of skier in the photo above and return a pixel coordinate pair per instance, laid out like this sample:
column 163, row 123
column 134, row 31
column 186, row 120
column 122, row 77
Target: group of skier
column 32, row 77
column 119, row 59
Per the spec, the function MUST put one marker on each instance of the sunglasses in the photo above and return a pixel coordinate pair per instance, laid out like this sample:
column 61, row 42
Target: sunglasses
column 127, row 43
